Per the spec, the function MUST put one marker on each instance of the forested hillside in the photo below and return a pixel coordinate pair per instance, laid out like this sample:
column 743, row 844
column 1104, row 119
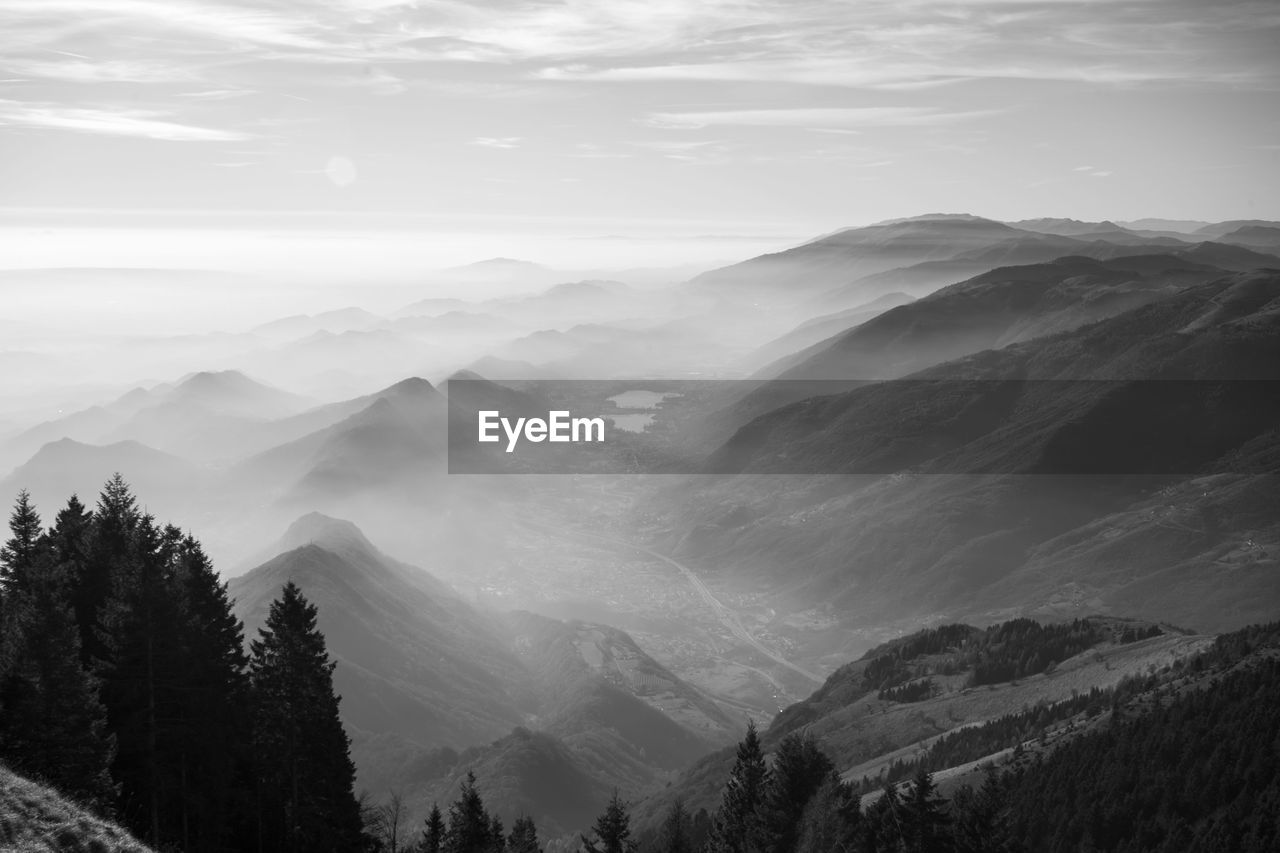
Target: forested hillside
column 1183, row 759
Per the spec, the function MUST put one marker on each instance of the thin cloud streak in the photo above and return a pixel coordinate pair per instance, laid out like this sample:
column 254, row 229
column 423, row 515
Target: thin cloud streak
column 817, row 118
column 144, row 124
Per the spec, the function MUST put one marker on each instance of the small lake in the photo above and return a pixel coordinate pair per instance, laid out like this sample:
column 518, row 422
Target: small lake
column 641, row 399
column 631, row 423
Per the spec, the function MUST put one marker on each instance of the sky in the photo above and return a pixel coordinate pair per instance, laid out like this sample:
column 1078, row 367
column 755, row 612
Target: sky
column 637, row 130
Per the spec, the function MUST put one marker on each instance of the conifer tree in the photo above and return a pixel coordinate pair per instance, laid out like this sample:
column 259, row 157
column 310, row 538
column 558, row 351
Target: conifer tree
column 883, row 822
column 212, row 748
column 433, row 831
column 612, row 829
column 68, row 538
column 831, row 820
column 469, row 823
column 737, row 826
column 676, row 830
column 52, row 724
column 497, row 835
column 111, row 547
column 925, row 822
column 142, row 667
column 18, row 554
column 799, row 769
column 980, row 824
column 304, row 772
column 523, row 837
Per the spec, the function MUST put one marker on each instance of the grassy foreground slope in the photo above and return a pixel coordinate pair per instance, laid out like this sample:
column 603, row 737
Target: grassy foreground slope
column 36, row 819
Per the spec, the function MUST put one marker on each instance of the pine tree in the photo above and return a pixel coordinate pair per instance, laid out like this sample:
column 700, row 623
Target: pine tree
column 212, row 749
column 142, row 665
column 925, row 821
column 304, row 771
column 469, row 823
column 433, row 831
column 68, row 538
column 676, row 831
column 523, row 837
column 612, row 829
column 980, row 824
column 799, row 769
column 52, row 724
column 497, row 835
column 737, row 827
column 18, row 555
column 111, row 547
column 831, row 820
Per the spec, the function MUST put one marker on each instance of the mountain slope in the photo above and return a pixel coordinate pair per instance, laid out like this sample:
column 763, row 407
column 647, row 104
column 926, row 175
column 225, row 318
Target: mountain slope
column 844, row 256
column 395, row 440
column 991, row 310
column 36, row 819
column 414, row 660
column 1141, row 496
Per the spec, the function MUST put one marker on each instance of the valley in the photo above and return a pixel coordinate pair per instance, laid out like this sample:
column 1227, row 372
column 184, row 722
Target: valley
column 1077, row 450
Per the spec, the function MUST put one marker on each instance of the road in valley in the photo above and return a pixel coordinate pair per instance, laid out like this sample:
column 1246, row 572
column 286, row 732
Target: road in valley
column 726, row 615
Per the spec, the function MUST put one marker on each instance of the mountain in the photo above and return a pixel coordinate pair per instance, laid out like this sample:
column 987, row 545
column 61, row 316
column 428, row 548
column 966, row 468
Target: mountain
column 1261, row 236
column 37, row 819
column 395, row 439
column 820, row 328
column 301, row 325
column 610, row 718
column 1215, row 230
column 900, row 700
column 840, row 258
column 1185, row 226
column 1143, row 493
column 65, row 467
column 1022, row 247
column 992, row 310
column 433, row 687
column 202, row 415
column 1072, row 227
column 414, row 660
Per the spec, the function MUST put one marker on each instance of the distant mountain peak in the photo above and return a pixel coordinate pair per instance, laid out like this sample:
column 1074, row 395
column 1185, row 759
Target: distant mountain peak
column 327, row 532
column 935, row 217
column 214, row 378
column 412, row 385
column 502, row 263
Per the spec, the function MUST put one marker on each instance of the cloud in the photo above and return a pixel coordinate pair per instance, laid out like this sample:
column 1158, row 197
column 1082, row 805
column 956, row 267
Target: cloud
column 504, row 142
column 146, row 124
column 73, row 69
column 816, row 118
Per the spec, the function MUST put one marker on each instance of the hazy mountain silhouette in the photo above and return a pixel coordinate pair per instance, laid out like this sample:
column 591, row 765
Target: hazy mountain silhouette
column 1151, row 546
column 395, row 439
column 991, row 310
column 414, row 660
column 844, row 256
column 820, row 328
column 66, row 467
column 202, row 414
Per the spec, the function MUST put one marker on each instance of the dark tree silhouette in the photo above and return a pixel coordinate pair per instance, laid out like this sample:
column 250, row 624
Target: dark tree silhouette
column 612, row 829
column 737, row 826
column 304, row 770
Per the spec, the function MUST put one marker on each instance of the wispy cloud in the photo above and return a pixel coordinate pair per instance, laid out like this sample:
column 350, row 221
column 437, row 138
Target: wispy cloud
column 817, row 118
column 503, row 142
column 144, row 124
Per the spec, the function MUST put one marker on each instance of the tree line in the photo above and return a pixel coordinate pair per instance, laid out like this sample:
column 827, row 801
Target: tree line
column 126, row 685
column 1189, row 763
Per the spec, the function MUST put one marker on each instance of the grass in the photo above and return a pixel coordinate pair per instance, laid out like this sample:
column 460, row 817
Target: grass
column 36, row 819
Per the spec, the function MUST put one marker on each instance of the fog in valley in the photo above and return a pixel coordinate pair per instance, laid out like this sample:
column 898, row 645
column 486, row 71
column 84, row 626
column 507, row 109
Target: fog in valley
column 752, row 426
